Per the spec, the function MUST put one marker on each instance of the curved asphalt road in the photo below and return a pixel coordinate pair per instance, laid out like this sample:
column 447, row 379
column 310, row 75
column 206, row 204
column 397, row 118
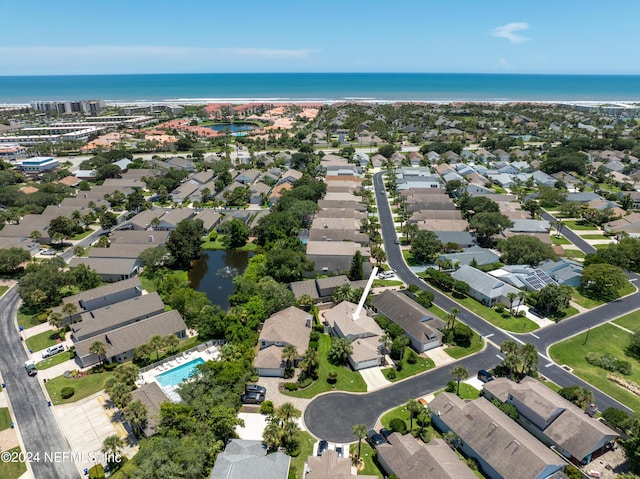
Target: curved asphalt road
column 331, row 416
column 38, row 427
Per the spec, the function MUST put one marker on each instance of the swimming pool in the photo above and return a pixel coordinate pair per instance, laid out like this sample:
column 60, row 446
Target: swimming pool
column 179, row 374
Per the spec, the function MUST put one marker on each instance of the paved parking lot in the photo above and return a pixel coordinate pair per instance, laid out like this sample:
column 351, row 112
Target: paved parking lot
column 86, row 423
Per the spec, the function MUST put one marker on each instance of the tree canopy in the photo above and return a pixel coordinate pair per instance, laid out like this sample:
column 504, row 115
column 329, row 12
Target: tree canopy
column 524, row 249
column 424, row 246
column 603, row 281
column 185, row 242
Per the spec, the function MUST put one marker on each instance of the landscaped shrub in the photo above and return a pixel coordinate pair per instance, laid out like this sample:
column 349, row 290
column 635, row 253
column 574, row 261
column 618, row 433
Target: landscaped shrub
column 398, row 425
column 616, row 417
column 499, row 307
column 67, row 392
column 412, row 358
column 313, row 344
column 451, row 387
column 319, row 328
column 254, row 378
column 608, row 362
column 332, row 377
column 291, row 386
column 314, row 336
column 391, row 374
column 399, row 366
column 110, row 366
column 267, row 408
column 306, row 382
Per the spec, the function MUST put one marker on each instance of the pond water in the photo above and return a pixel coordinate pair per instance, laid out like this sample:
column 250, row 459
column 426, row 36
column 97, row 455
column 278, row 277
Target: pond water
column 234, row 128
column 213, row 274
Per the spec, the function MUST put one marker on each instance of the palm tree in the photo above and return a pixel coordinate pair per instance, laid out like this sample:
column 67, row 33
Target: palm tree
column 55, row 319
column 112, row 447
column 386, row 341
column 511, row 297
column 290, row 431
column 289, row 355
column 402, row 342
column 119, row 393
column 69, row 309
column 360, row 431
column 35, row 235
column 127, row 373
column 99, row 349
column 135, row 414
column 287, row 412
column 522, row 295
column 340, row 350
column 171, row 342
column 452, row 316
column 157, row 343
column 459, row 373
column 272, row 435
column 414, row 408
column 311, row 362
column 342, row 293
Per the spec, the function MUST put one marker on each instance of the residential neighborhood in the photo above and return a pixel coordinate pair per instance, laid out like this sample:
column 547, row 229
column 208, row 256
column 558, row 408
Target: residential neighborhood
column 347, row 289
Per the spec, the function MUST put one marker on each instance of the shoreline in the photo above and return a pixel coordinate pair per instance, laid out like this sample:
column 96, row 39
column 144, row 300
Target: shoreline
column 368, row 100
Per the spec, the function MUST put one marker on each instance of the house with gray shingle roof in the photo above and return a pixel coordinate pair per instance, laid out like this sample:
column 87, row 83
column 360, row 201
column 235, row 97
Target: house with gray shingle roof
column 110, row 269
column 556, row 421
column 503, row 449
column 482, row 256
column 420, row 326
column 244, row 459
column 484, row 287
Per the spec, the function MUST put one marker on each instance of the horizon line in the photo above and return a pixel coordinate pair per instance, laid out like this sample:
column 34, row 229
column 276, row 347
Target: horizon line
column 321, row 73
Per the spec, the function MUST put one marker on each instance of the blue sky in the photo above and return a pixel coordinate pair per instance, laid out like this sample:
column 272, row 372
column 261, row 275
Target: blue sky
column 496, row 36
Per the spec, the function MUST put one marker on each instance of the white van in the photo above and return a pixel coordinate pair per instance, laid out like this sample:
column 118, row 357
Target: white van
column 58, row 348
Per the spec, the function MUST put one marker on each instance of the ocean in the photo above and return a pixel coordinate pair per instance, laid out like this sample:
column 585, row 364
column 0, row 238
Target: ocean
column 320, row 87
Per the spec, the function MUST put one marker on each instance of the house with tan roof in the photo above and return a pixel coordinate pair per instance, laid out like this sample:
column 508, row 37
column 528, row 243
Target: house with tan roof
column 363, row 331
column 555, row 421
column 408, row 458
column 331, row 466
column 289, row 327
column 629, row 224
column 503, row 448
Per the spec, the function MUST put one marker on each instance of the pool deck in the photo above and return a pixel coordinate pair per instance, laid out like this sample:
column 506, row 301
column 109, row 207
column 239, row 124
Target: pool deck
column 210, row 354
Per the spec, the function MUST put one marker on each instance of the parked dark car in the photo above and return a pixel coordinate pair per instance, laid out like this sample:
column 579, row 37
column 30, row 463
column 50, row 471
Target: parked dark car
column 385, row 433
column 536, row 312
column 374, row 439
column 485, row 376
column 254, row 388
column 322, row 446
column 252, row 398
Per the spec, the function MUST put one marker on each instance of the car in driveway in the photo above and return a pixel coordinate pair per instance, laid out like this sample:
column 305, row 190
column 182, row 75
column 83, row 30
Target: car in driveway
column 254, row 388
column 322, row 446
column 374, row 439
column 252, row 398
column 536, row 312
column 385, row 433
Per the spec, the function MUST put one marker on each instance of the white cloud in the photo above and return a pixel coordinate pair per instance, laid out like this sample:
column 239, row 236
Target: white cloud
column 508, row 31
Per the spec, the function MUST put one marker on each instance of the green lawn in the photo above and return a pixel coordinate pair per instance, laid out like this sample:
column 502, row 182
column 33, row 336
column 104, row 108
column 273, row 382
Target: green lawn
column 592, row 303
column 53, row 360
column 82, row 235
column 630, row 321
column 379, row 283
column 575, row 225
column 5, row 418
column 85, row 386
column 603, row 339
column 561, row 240
column 408, row 370
column 12, row 470
column 27, row 320
column 217, row 244
column 503, row 321
column 601, row 246
column 3, row 289
column 468, row 392
column 42, row 340
column 573, row 253
column 305, row 446
column 564, row 314
column 458, row 352
column 402, row 413
column 348, row 380
column 593, row 236
column 438, row 311
column 367, row 454
column 550, row 384
column 408, row 257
